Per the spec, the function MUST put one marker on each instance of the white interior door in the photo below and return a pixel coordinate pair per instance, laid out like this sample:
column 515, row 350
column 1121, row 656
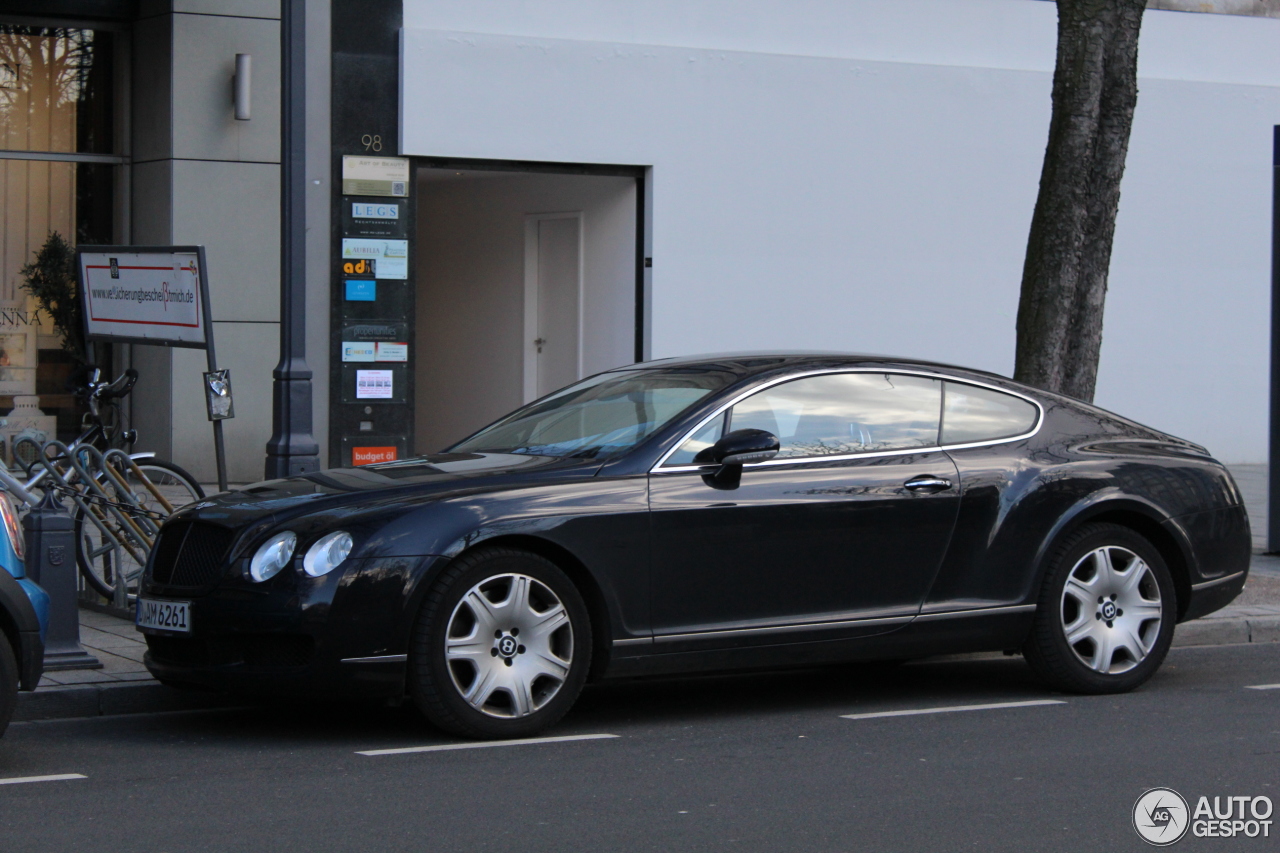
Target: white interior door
column 553, row 302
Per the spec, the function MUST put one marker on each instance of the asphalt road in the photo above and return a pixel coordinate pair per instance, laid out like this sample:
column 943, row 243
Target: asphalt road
column 760, row 762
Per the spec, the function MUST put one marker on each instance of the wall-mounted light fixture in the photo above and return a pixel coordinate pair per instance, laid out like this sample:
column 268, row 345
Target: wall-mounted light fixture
column 243, row 85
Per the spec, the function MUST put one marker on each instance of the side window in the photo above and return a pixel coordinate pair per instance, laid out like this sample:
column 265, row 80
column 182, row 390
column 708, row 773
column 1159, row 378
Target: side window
column 980, row 414
column 836, row 414
column 699, row 441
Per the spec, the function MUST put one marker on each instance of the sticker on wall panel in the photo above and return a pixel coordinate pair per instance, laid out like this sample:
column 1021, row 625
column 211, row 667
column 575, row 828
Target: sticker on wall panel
column 372, row 218
column 361, row 267
column 391, row 257
column 386, row 330
column 380, row 176
column 393, row 299
column 373, row 385
column 391, row 351
column 361, row 290
column 358, row 351
column 371, row 449
column 372, row 455
column 388, row 385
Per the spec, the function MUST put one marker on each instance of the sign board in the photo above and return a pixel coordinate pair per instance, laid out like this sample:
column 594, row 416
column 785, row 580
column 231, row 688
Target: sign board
column 374, row 385
column 155, row 295
column 145, row 295
column 377, row 176
column 372, row 218
column 372, row 455
column 390, row 257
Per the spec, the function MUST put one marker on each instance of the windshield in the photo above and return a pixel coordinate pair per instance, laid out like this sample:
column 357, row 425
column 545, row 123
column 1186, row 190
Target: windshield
column 598, row 417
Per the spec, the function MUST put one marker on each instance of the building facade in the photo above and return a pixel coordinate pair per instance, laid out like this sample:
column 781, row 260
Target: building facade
column 502, row 197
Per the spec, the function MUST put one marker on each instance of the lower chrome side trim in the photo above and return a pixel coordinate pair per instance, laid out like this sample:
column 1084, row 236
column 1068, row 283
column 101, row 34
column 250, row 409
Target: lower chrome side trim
column 976, row 611
column 781, row 629
column 378, row 659
column 1196, row 587
column 634, row 641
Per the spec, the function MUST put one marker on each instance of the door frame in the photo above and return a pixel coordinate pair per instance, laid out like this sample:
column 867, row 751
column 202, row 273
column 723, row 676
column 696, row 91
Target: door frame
column 529, row 350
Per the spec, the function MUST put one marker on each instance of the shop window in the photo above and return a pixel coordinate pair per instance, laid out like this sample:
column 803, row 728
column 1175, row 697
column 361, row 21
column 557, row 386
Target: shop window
column 56, row 106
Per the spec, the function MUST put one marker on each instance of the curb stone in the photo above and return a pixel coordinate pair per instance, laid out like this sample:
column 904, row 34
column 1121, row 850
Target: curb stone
column 110, row 699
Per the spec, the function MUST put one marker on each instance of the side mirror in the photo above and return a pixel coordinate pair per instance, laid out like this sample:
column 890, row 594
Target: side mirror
column 733, row 451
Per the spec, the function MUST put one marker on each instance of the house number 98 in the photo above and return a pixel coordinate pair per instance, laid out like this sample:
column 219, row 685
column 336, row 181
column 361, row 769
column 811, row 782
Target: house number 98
column 371, row 143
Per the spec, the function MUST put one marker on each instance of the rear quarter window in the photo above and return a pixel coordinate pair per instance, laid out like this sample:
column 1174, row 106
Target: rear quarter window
column 971, row 414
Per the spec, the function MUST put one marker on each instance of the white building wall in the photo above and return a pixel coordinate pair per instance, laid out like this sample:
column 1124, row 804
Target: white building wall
column 860, row 175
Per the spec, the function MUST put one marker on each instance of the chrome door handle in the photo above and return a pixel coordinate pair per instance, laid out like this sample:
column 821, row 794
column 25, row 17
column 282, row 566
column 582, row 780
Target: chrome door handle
column 928, row 484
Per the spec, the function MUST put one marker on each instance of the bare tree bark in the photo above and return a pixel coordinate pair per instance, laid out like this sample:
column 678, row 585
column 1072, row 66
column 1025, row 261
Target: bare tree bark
column 1064, row 277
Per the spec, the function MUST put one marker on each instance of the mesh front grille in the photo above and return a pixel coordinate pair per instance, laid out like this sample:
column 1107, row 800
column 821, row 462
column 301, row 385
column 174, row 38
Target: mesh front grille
column 189, row 554
column 166, row 551
column 200, row 562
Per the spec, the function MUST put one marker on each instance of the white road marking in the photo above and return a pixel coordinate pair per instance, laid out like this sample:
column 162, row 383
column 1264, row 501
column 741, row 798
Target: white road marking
column 952, row 708
column 1262, row 687
column 19, row 780
column 445, row 747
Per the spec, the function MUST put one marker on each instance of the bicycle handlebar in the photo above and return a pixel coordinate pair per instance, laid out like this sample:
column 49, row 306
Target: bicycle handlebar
column 118, row 388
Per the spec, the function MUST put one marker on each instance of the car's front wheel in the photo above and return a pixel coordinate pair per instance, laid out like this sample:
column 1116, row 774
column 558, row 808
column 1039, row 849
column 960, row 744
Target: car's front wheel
column 1106, row 613
column 501, row 646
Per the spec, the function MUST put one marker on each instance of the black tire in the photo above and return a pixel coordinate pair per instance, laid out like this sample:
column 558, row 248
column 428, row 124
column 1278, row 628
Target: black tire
column 8, row 682
column 437, row 684
column 100, row 572
column 1128, row 649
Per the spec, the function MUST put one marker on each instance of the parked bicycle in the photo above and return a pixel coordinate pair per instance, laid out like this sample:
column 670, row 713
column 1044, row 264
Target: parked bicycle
column 120, row 504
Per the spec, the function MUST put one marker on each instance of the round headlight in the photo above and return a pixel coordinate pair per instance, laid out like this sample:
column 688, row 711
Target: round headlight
column 272, row 556
column 328, row 552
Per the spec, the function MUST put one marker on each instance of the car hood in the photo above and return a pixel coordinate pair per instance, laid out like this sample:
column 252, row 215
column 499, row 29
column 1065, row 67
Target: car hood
column 383, row 486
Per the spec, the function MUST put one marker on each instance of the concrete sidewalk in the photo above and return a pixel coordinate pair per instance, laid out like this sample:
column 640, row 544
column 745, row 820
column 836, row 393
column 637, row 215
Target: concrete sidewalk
column 124, row 686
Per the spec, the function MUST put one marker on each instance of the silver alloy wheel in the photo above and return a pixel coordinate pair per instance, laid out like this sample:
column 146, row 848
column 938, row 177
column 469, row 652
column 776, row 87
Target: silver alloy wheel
column 509, row 645
column 1111, row 609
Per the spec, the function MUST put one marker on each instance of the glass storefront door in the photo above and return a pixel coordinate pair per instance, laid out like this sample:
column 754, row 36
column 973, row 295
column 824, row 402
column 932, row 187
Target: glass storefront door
column 58, row 175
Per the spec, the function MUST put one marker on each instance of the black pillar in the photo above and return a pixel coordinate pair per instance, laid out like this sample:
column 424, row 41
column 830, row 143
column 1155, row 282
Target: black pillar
column 1273, row 468
column 292, row 450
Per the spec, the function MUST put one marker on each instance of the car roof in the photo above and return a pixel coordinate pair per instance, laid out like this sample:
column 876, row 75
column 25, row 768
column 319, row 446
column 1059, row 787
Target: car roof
column 746, row 363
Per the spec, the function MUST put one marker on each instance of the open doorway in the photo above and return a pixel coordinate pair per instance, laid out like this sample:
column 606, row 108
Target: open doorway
column 525, row 282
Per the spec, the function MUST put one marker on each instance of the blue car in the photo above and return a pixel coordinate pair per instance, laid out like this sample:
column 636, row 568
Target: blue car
column 24, row 618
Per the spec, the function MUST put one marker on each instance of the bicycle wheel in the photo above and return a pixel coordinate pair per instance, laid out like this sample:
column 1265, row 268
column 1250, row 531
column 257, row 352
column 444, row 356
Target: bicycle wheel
column 98, row 556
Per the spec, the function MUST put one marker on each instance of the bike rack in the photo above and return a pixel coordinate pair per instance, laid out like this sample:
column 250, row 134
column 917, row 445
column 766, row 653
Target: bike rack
column 83, row 474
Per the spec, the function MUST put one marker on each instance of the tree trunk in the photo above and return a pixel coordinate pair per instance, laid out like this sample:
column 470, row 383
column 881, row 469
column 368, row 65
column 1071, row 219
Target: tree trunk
column 1064, row 277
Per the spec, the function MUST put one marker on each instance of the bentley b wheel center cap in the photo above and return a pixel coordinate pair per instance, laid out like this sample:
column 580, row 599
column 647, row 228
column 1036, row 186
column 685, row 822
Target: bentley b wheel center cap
column 1109, row 610
column 507, row 646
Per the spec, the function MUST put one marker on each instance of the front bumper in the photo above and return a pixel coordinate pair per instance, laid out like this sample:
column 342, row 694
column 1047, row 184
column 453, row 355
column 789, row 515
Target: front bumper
column 343, row 634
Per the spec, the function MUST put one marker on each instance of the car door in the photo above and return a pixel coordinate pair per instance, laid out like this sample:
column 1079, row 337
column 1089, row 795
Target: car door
column 837, row 536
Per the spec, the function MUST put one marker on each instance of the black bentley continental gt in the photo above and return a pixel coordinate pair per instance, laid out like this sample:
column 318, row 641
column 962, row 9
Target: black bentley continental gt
column 698, row 514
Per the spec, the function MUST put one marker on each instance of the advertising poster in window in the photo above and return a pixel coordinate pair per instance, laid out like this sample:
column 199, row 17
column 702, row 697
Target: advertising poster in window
column 17, row 360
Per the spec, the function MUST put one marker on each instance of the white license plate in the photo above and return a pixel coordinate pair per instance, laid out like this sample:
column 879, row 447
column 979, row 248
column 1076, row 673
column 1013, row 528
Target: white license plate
column 164, row 615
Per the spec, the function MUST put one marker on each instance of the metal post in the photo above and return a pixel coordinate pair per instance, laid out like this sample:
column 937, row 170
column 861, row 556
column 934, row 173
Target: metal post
column 1273, row 472
column 51, row 562
column 292, row 449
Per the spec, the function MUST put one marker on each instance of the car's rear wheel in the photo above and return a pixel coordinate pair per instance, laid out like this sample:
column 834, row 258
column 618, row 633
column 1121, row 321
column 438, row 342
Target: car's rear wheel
column 501, row 646
column 8, row 682
column 1106, row 612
